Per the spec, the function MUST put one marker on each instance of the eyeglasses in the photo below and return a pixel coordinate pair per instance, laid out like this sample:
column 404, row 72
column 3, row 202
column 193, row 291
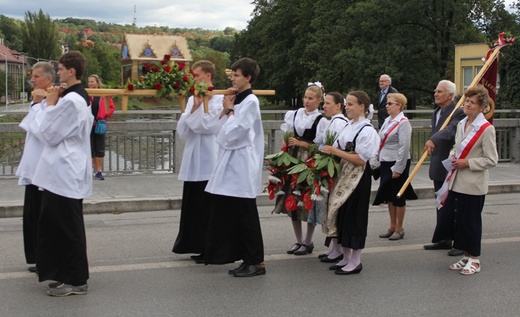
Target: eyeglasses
column 392, row 103
column 382, row 81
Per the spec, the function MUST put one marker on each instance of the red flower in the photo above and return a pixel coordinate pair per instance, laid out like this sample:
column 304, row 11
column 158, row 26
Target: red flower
column 181, row 65
column 291, row 203
column 324, row 174
column 185, row 78
column 311, row 163
column 308, row 205
column 140, row 79
column 155, row 68
column 331, row 184
column 318, row 189
column 130, row 86
column 158, row 86
column 192, row 89
column 167, row 68
column 210, row 88
column 163, row 62
column 166, row 57
column 147, row 66
column 284, row 147
column 192, row 73
column 294, row 180
column 270, row 190
column 176, row 85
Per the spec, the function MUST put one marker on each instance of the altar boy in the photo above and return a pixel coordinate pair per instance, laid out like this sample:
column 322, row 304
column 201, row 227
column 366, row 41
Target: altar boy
column 64, row 172
column 234, row 231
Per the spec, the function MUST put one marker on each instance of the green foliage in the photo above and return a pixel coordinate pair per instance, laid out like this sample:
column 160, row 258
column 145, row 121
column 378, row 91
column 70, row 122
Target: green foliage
column 11, row 33
column 40, row 36
column 508, row 96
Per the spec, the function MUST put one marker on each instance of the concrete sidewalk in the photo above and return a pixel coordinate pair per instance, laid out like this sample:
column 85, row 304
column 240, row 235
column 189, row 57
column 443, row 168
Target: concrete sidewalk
column 150, row 192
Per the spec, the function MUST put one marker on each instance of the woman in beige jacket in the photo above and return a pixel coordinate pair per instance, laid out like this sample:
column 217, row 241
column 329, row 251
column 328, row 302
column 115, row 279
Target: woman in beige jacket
column 463, row 193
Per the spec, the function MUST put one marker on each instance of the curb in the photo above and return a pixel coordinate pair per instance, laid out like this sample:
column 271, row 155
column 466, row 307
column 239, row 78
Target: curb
column 117, row 206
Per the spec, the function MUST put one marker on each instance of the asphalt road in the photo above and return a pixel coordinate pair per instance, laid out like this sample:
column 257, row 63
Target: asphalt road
column 134, row 273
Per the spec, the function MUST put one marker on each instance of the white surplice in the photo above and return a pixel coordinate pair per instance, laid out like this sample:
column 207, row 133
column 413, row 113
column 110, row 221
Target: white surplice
column 198, row 129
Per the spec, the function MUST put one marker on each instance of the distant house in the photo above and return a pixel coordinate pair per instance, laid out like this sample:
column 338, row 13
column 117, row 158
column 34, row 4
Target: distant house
column 139, row 49
column 88, row 32
column 12, row 63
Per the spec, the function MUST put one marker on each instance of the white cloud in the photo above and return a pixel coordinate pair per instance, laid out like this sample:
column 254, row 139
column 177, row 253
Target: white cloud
column 206, row 14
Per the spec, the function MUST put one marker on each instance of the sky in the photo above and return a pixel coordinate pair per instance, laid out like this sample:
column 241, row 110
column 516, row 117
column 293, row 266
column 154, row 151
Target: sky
column 206, row 14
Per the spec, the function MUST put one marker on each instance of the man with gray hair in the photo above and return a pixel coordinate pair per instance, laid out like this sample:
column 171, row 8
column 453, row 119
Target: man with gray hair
column 440, row 144
column 42, row 77
column 385, row 84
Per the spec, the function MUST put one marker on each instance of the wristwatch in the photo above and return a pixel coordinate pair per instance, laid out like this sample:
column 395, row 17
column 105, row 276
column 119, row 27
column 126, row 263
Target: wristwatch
column 228, row 111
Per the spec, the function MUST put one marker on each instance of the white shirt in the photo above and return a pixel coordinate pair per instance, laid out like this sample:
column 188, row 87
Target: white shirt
column 367, row 142
column 397, row 144
column 304, row 120
column 65, row 166
column 198, row 129
column 238, row 172
column 32, row 149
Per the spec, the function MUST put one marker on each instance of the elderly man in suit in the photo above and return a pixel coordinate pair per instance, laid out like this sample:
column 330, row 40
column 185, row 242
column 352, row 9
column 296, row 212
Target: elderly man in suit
column 385, row 84
column 440, row 144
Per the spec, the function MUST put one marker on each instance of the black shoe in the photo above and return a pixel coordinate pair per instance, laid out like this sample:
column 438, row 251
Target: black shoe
column 329, row 260
column 323, row 255
column 455, row 252
column 308, row 249
column 354, row 271
column 336, row 267
column 295, row 247
column 33, row 269
column 438, row 246
column 250, row 271
column 197, row 257
column 233, row 271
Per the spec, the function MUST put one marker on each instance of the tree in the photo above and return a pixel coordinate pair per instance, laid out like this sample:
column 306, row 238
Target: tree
column 40, row 36
column 10, row 31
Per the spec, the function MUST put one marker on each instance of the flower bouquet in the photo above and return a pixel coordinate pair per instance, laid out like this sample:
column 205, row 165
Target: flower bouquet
column 279, row 163
column 302, row 178
column 316, row 174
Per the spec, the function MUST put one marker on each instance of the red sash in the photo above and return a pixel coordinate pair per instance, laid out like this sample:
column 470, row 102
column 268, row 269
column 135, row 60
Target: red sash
column 388, row 133
column 442, row 194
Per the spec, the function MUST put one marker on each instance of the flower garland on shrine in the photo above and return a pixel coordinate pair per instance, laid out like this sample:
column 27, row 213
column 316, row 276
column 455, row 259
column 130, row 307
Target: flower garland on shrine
column 169, row 78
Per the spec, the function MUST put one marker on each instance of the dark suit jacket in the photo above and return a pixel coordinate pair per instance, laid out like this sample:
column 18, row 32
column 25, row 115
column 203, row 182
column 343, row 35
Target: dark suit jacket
column 381, row 106
column 443, row 140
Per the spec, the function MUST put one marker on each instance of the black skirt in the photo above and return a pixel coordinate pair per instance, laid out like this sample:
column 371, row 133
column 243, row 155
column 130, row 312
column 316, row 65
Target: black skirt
column 194, row 218
column 353, row 215
column 234, row 231
column 389, row 188
column 460, row 220
column 62, row 243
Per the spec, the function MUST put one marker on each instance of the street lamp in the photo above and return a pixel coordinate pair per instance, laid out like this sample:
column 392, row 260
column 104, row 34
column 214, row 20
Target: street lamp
column 5, row 58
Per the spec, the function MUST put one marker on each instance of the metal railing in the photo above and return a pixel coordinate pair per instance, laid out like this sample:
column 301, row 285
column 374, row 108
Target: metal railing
column 143, row 146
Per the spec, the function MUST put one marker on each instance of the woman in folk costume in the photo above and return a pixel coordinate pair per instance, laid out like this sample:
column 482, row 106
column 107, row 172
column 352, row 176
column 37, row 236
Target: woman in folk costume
column 464, row 190
column 348, row 205
column 394, row 155
column 304, row 124
column 334, row 108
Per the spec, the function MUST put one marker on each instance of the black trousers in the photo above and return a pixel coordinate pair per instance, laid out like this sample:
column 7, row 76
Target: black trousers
column 31, row 212
column 62, row 243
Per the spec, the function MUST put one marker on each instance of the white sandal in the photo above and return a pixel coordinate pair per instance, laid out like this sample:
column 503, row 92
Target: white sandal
column 460, row 264
column 472, row 267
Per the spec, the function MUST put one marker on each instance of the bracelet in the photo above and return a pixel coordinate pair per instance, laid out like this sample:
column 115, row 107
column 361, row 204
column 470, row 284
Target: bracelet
column 228, row 111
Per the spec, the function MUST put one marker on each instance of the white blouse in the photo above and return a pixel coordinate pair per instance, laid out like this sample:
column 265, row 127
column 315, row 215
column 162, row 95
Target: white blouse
column 198, row 129
column 367, row 142
column 302, row 121
column 238, row 171
column 335, row 124
column 65, row 166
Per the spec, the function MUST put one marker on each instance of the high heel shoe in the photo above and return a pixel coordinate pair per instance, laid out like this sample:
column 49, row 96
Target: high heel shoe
column 387, row 234
column 398, row 235
column 295, row 247
column 307, row 249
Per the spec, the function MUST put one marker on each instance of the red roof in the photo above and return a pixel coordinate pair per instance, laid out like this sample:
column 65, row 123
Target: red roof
column 11, row 58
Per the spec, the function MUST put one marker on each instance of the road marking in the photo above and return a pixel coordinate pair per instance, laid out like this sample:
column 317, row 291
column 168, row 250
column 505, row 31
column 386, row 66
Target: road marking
column 268, row 258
